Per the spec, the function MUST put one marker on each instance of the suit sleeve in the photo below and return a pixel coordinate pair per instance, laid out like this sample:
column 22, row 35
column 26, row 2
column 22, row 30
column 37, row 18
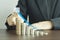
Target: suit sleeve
column 56, row 19
column 56, row 23
column 23, row 8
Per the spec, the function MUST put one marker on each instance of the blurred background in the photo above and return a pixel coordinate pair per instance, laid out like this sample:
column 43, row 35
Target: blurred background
column 6, row 7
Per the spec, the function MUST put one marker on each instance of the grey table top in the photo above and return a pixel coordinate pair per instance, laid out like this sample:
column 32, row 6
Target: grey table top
column 11, row 35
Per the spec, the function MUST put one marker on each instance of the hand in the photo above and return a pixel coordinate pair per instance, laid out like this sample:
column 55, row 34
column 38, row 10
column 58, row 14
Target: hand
column 43, row 25
column 11, row 20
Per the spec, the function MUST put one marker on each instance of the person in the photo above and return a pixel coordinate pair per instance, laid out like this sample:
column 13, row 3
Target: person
column 42, row 13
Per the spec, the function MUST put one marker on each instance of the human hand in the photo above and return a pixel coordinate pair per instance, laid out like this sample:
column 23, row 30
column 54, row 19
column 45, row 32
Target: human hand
column 43, row 25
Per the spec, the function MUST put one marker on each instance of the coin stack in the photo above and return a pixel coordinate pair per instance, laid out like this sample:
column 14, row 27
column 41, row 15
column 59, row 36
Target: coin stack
column 18, row 27
column 23, row 29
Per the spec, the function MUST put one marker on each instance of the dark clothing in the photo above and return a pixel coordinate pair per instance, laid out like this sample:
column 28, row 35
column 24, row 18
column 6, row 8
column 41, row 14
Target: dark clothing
column 10, row 27
column 41, row 10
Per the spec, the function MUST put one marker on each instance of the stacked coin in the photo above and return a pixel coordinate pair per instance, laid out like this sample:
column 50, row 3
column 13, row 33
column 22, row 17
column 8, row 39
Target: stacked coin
column 23, row 29
column 18, row 27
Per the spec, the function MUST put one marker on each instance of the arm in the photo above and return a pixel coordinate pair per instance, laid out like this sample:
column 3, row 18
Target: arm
column 43, row 25
column 54, row 23
column 23, row 8
column 10, row 21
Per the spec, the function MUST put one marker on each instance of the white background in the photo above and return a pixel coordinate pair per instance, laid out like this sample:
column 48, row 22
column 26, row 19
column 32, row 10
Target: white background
column 6, row 7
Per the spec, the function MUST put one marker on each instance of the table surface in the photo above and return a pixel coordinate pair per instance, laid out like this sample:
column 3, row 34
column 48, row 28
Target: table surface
column 11, row 35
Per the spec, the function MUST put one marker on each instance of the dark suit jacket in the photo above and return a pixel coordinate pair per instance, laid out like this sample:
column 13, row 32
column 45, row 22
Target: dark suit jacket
column 41, row 10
